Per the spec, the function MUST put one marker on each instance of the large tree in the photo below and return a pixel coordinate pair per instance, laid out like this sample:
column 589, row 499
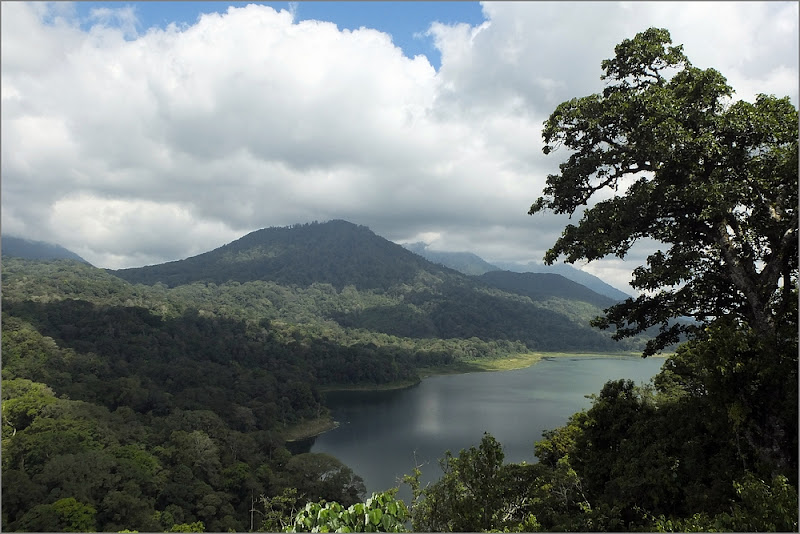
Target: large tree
column 665, row 153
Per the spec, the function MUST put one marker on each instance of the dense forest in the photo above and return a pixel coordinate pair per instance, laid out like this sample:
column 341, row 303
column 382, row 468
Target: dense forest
column 163, row 398
column 149, row 407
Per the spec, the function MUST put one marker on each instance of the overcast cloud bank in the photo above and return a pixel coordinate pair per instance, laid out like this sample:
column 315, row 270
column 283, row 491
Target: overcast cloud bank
column 138, row 148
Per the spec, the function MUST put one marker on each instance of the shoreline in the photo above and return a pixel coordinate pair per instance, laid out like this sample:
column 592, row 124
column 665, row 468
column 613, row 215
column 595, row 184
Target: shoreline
column 315, row 427
column 518, row 361
column 400, row 384
column 510, row 363
column 309, row 429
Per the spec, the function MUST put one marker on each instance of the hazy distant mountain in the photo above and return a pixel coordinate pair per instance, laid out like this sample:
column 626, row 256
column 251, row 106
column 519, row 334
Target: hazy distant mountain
column 35, row 250
column 338, row 252
column 471, row 264
column 541, row 286
column 463, row 262
column 567, row 271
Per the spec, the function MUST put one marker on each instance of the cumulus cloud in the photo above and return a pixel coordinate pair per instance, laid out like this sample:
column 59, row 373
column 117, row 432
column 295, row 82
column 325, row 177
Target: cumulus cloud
column 132, row 145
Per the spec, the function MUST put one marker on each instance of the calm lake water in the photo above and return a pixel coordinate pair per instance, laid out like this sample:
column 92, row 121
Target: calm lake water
column 381, row 431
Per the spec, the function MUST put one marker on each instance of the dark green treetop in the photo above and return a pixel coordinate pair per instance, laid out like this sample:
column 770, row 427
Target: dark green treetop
column 664, row 153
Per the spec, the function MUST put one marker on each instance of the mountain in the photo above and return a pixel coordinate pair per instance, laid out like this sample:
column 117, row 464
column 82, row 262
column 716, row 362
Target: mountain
column 541, row 286
column 471, row 264
column 347, row 274
column 568, row 271
column 337, row 252
column 463, row 262
column 36, row 250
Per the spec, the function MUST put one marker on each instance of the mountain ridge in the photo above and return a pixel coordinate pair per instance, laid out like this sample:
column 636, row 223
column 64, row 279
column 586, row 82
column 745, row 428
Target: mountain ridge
column 596, row 284
column 540, row 286
column 473, row 265
column 336, row 252
column 20, row 247
column 400, row 292
column 463, row 262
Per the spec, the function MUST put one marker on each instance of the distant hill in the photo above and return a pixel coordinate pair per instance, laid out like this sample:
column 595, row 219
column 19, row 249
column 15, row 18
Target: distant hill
column 471, row 264
column 463, row 262
column 36, row 250
column 541, row 286
column 568, row 271
column 338, row 252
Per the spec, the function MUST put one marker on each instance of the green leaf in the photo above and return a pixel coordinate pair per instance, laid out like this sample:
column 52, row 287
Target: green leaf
column 375, row 516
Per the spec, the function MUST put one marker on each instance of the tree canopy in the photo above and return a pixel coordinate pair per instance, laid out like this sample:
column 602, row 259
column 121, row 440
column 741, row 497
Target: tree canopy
column 665, row 153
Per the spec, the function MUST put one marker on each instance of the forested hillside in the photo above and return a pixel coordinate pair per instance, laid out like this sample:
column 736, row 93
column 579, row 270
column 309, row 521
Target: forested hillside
column 148, row 407
column 339, row 253
column 119, row 419
column 567, row 271
column 543, row 286
column 372, row 284
column 140, row 408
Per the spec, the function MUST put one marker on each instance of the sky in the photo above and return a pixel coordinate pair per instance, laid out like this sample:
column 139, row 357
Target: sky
column 139, row 133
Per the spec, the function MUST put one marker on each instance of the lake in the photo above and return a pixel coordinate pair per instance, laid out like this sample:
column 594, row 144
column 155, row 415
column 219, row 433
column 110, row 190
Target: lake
column 381, row 431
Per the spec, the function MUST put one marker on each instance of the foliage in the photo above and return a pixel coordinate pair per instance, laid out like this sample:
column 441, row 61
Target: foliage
column 714, row 181
column 664, row 153
column 749, row 386
column 477, row 492
column 760, row 507
column 197, row 526
column 279, row 510
column 321, row 476
column 380, row 513
column 763, row 507
column 64, row 515
column 158, row 439
column 23, row 400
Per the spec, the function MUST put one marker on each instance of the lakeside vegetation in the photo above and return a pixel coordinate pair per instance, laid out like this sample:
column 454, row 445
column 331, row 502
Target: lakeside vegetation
column 188, row 396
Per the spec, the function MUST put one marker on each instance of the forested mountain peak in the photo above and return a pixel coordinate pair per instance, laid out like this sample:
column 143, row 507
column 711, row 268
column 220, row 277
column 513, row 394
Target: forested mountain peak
column 336, row 252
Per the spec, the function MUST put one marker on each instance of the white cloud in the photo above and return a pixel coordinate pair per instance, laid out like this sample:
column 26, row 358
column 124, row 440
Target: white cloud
column 123, row 18
column 138, row 146
column 112, row 230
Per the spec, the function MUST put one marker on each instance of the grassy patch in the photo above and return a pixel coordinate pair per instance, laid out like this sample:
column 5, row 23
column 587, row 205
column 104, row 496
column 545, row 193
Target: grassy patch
column 517, row 361
column 309, row 428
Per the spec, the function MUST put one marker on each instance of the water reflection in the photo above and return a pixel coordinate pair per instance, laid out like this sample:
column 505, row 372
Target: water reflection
column 428, row 412
column 381, row 432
